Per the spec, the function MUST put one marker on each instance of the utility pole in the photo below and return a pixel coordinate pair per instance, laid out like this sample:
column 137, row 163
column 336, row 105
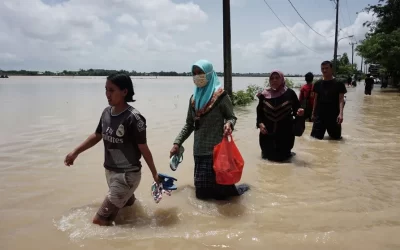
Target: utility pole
column 362, row 61
column 352, row 51
column 336, row 39
column 226, row 8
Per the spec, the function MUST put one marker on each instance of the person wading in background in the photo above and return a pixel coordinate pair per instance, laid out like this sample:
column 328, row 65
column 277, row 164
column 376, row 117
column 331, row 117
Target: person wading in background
column 306, row 96
column 369, row 84
column 278, row 115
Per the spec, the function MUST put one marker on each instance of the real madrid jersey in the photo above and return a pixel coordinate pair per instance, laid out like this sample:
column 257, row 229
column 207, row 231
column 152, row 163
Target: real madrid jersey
column 121, row 135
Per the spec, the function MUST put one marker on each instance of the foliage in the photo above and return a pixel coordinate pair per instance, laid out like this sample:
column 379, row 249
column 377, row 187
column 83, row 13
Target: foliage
column 382, row 43
column 106, row 72
column 245, row 97
column 383, row 49
column 387, row 18
column 344, row 68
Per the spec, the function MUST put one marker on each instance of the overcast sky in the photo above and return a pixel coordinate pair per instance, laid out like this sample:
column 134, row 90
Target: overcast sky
column 155, row 35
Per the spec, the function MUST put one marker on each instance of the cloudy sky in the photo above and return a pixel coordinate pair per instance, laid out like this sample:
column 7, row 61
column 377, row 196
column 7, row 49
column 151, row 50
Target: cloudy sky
column 155, row 35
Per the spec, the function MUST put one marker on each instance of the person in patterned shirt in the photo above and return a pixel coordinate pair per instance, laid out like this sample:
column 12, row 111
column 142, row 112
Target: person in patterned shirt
column 123, row 130
column 210, row 115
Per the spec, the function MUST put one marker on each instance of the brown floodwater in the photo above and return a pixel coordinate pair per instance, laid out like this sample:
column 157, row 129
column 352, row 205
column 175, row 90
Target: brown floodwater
column 332, row 195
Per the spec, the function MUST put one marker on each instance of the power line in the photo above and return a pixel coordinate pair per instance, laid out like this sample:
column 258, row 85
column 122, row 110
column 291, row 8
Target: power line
column 287, row 27
column 348, row 14
column 304, row 20
column 333, row 2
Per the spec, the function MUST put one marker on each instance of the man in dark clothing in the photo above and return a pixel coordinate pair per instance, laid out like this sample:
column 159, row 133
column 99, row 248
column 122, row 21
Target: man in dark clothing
column 328, row 105
column 369, row 84
column 349, row 81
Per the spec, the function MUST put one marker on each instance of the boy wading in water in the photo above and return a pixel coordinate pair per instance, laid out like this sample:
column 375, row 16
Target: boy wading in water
column 123, row 130
column 306, row 96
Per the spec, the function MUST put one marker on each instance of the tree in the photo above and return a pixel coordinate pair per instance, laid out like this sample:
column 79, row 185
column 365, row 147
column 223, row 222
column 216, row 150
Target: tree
column 387, row 17
column 382, row 43
column 344, row 67
column 344, row 59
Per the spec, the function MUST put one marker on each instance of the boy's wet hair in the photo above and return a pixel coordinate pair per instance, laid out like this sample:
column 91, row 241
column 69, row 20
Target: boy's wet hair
column 123, row 81
column 309, row 77
column 327, row 63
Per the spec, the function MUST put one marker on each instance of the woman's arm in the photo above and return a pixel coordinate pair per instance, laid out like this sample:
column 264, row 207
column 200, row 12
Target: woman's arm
column 259, row 111
column 187, row 128
column 227, row 111
column 295, row 103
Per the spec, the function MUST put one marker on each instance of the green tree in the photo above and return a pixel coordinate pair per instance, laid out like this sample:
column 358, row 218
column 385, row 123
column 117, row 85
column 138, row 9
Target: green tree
column 387, row 17
column 382, row 43
column 344, row 60
column 344, row 67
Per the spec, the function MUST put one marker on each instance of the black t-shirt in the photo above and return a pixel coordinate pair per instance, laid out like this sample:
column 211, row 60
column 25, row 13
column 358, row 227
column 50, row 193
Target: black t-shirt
column 328, row 96
column 121, row 135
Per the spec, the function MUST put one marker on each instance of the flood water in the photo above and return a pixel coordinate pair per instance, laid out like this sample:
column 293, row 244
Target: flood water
column 333, row 195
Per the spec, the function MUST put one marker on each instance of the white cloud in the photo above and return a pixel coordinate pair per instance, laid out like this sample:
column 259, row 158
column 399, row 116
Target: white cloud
column 278, row 46
column 76, row 30
column 127, row 19
column 9, row 58
column 151, row 35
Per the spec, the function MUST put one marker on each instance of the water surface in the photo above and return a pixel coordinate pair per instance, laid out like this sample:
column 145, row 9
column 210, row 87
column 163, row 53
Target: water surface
column 333, row 195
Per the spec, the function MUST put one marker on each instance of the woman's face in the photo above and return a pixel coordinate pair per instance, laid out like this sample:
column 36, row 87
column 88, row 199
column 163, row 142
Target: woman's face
column 275, row 80
column 197, row 71
column 114, row 94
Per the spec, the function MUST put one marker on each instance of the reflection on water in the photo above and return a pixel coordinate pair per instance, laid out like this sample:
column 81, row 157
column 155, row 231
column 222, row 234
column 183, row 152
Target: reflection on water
column 331, row 195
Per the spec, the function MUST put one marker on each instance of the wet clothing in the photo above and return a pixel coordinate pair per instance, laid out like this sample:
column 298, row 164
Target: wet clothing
column 326, row 124
column 121, row 135
column 204, row 181
column 208, row 124
column 369, row 84
column 121, row 186
column 277, row 115
column 327, row 109
column 306, row 98
column 328, row 97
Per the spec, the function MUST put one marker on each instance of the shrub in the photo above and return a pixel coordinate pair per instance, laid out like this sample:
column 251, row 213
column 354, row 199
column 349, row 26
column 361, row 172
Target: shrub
column 245, row 97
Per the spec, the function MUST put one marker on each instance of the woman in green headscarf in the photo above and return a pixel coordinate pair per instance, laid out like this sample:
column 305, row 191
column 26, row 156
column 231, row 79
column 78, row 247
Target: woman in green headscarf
column 210, row 115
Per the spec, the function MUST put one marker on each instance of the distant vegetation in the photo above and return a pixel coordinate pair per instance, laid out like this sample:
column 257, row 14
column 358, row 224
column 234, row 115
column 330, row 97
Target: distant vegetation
column 106, row 72
column 245, row 97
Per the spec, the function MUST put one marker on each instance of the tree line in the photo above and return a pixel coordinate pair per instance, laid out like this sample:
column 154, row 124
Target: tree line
column 106, row 72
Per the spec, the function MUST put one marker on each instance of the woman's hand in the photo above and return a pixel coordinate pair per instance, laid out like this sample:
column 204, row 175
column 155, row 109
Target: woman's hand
column 174, row 150
column 300, row 112
column 227, row 129
column 263, row 129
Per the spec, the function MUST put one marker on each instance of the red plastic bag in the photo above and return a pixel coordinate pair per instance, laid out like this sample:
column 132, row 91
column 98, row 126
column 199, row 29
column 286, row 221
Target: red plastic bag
column 228, row 162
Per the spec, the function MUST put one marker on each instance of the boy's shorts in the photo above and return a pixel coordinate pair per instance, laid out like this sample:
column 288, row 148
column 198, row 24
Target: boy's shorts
column 121, row 188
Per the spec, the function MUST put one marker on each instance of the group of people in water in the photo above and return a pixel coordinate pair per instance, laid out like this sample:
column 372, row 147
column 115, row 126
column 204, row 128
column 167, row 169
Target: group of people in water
column 281, row 116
